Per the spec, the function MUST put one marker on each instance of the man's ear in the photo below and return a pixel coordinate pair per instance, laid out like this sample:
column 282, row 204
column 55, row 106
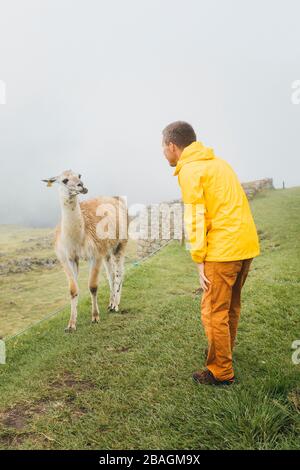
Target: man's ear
column 50, row 181
column 172, row 147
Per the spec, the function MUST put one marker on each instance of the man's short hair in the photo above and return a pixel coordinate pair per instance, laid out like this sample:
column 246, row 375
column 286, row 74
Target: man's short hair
column 179, row 133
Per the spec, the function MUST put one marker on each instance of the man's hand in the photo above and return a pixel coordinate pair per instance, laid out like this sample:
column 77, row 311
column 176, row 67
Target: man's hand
column 202, row 278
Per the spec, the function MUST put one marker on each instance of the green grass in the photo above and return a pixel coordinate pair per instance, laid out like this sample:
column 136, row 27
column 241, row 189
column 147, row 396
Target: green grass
column 126, row 383
column 14, row 237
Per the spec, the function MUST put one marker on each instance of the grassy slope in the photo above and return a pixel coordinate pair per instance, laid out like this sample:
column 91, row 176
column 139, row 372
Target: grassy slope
column 126, row 383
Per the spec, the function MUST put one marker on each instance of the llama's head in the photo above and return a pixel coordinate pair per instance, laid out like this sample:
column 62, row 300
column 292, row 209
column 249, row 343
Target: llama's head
column 70, row 183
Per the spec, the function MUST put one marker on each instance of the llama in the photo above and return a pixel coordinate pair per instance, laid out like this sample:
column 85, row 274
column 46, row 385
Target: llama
column 83, row 233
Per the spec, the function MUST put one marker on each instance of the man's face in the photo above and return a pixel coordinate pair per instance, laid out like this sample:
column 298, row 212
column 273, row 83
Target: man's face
column 171, row 153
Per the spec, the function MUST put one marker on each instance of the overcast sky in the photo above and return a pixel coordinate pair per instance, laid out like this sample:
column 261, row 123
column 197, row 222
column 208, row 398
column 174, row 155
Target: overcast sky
column 91, row 83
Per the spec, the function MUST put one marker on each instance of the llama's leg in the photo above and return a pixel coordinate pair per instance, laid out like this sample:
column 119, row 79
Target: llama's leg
column 116, row 272
column 119, row 276
column 71, row 270
column 74, row 265
column 95, row 268
column 110, row 272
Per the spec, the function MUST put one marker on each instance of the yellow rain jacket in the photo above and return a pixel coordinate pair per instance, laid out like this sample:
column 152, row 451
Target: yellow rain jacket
column 217, row 215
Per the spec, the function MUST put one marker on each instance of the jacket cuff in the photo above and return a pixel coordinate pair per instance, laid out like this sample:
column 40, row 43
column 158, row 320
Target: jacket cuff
column 197, row 258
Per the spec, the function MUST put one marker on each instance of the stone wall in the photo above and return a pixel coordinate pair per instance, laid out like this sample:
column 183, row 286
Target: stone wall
column 155, row 224
column 253, row 187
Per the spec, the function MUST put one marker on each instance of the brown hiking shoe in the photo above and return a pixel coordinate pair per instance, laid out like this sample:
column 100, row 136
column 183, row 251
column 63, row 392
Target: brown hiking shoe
column 205, row 377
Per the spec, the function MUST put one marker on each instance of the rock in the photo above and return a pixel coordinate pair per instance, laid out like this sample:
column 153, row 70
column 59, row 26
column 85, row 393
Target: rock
column 26, row 264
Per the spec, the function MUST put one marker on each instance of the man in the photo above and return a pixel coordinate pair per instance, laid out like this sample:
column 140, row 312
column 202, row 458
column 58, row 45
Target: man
column 222, row 239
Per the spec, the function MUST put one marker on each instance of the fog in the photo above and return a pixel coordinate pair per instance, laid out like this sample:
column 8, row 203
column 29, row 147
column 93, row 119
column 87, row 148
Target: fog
column 90, row 85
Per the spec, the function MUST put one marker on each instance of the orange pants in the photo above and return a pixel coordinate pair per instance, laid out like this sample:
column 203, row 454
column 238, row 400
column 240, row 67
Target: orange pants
column 220, row 312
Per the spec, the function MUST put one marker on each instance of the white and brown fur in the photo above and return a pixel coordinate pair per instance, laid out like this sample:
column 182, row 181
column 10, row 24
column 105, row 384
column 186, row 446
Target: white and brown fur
column 76, row 238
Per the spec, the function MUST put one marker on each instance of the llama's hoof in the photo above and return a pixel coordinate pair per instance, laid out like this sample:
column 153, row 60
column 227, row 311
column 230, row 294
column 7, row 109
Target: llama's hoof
column 70, row 329
column 113, row 308
column 95, row 320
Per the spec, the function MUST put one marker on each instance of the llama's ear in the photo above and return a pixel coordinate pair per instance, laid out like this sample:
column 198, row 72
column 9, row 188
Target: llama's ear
column 50, row 181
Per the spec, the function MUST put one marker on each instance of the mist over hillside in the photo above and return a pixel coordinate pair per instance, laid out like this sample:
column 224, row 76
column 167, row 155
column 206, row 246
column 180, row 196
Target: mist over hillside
column 80, row 96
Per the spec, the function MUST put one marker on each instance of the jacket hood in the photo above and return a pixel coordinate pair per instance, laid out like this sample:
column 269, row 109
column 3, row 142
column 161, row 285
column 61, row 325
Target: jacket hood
column 193, row 152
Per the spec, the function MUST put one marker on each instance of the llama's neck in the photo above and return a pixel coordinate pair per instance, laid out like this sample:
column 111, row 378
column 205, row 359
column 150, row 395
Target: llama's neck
column 72, row 222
